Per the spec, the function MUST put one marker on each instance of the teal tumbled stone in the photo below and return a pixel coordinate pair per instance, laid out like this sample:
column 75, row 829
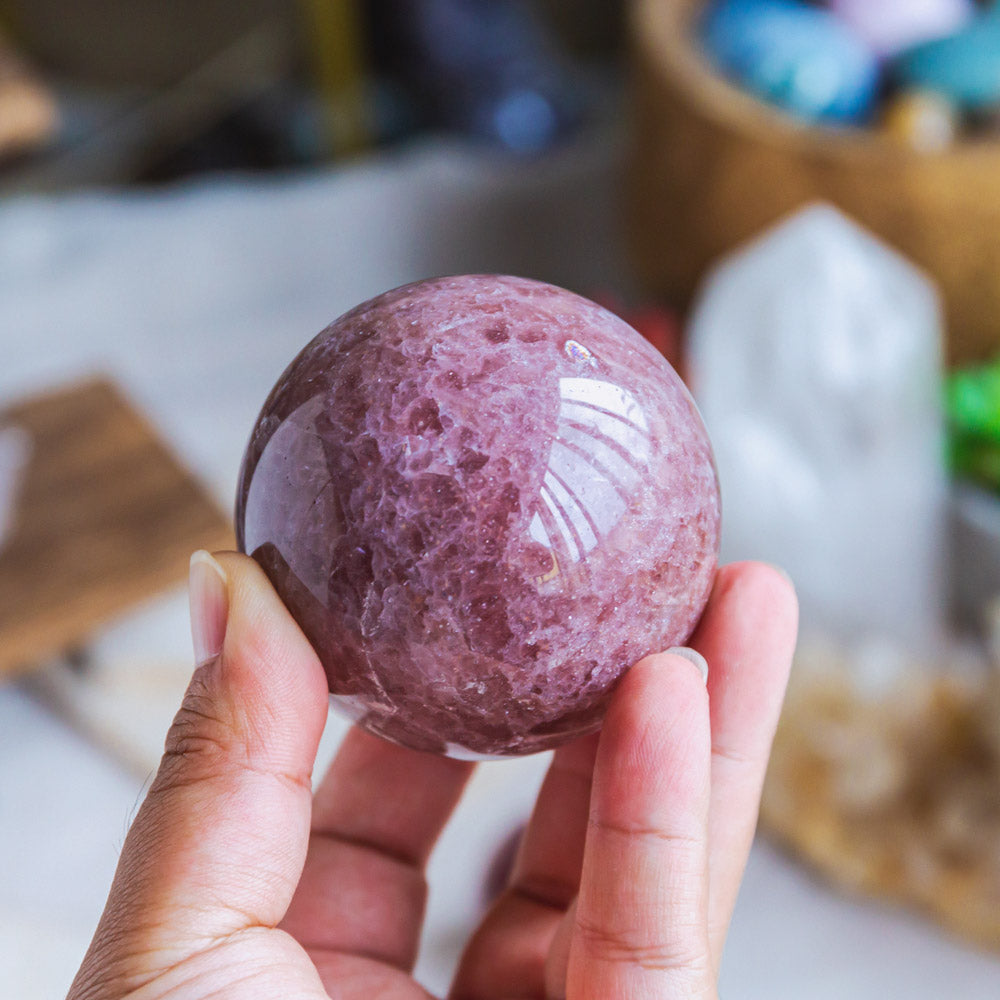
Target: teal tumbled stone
column 964, row 67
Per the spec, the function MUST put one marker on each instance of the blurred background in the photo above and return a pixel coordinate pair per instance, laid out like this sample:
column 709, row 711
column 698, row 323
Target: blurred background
column 797, row 202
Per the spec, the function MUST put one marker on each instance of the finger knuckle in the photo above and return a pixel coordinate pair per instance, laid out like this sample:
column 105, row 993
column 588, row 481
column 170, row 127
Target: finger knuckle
column 202, row 737
column 678, row 840
column 676, row 954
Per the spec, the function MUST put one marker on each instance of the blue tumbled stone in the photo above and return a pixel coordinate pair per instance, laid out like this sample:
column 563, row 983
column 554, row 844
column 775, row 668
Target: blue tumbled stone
column 801, row 58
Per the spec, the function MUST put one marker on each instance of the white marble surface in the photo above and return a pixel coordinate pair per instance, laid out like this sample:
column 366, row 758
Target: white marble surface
column 196, row 298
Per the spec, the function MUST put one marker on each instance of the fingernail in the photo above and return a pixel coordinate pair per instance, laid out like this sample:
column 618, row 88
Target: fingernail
column 208, row 592
column 694, row 657
column 783, row 574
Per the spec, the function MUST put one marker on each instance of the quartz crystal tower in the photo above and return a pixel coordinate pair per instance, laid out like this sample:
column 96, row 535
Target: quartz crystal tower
column 816, row 362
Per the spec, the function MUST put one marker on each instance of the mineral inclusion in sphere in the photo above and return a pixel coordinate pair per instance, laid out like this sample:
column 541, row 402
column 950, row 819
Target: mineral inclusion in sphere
column 482, row 498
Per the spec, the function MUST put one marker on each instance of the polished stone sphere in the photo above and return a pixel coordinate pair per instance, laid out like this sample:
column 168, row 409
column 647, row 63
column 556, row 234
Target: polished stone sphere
column 482, row 498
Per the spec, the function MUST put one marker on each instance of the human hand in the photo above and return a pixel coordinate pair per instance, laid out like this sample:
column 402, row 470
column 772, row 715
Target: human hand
column 234, row 883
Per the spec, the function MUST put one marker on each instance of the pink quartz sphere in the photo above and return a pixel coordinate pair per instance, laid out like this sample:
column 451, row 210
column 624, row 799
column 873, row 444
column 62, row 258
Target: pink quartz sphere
column 483, row 499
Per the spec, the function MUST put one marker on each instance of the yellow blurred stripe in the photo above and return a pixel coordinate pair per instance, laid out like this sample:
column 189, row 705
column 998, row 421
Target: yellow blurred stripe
column 336, row 40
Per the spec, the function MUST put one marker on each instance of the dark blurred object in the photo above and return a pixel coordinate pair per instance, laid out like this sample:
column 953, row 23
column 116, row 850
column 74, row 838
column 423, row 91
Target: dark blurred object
column 283, row 126
column 489, row 69
column 154, row 90
column 594, row 28
column 139, row 43
column 28, row 116
column 119, row 135
column 975, row 556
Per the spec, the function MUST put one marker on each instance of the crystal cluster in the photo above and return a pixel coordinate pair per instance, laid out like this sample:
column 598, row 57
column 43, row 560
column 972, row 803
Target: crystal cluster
column 482, row 498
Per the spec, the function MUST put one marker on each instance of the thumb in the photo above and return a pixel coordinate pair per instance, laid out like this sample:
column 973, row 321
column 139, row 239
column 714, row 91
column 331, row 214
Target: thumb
column 220, row 841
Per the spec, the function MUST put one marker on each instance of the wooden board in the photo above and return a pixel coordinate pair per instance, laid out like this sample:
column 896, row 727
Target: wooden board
column 106, row 517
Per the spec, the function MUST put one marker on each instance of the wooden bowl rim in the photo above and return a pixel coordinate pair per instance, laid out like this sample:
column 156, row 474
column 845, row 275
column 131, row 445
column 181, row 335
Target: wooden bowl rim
column 663, row 28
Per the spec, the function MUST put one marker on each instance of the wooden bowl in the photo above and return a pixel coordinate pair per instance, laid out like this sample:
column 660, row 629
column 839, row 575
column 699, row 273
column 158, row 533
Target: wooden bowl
column 711, row 166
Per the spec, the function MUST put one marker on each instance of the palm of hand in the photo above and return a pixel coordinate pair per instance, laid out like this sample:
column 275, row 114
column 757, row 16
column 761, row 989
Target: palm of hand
column 236, row 884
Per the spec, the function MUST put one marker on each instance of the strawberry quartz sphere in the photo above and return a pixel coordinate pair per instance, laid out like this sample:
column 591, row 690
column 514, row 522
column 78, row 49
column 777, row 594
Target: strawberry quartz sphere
column 482, row 498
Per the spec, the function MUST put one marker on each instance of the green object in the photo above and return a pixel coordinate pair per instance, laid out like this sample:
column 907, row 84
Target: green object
column 972, row 402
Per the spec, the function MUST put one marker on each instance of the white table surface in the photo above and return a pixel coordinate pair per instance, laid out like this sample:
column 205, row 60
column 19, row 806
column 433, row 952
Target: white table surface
column 195, row 298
